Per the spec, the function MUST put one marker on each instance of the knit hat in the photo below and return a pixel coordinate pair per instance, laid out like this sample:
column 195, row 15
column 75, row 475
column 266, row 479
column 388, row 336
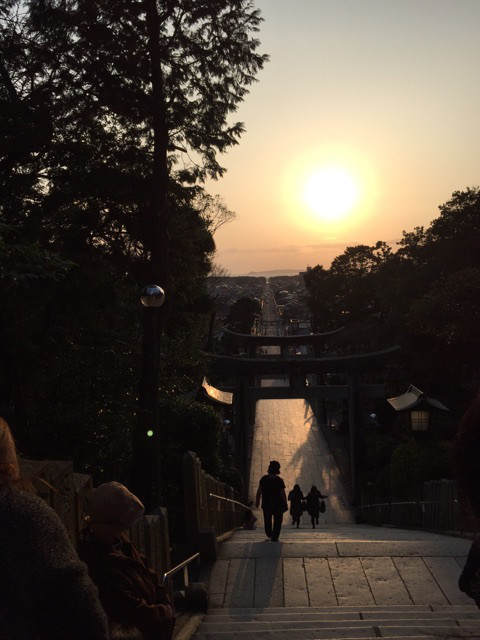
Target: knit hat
column 274, row 467
column 112, row 503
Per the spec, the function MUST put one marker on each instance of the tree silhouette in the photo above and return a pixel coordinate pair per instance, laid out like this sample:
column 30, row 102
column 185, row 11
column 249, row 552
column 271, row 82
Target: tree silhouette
column 112, row 111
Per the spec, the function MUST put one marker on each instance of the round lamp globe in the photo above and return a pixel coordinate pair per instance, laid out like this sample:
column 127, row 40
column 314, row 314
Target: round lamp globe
column 152, row 296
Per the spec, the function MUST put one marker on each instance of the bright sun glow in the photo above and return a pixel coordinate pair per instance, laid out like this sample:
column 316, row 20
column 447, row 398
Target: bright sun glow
column 331, row 193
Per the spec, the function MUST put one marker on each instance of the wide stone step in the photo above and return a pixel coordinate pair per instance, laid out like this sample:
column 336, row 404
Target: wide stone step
column 414, row 608
column 352, row 549
column 430, row 637
column 338, row 616
column 348, row 633
column 347, row 622
column 271, row 625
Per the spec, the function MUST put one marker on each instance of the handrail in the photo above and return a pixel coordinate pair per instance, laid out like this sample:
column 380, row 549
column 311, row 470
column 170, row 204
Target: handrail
column 183, row 565
column 240, row 504
column 388, row 504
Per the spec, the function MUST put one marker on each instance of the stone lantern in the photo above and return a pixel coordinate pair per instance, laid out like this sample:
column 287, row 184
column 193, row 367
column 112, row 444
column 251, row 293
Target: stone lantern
column 418, row 405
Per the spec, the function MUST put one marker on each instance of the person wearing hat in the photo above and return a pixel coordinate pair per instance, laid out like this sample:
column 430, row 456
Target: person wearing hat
column 271, row 491
column 130, row 592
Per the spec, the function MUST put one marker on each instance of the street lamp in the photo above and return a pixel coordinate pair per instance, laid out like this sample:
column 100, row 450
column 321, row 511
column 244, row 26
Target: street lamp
column 152, row 296
column 145, row 476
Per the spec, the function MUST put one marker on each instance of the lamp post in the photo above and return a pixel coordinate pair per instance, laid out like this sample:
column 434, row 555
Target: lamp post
column 145, row 476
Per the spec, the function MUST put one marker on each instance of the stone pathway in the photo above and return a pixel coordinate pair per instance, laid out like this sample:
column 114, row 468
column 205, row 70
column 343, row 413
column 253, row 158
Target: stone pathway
column 287, row 431
column 337, row 566
column 340, row 580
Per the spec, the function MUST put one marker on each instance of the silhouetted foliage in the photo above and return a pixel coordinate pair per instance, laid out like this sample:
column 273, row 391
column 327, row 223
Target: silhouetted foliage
column 242, row 314
column 425, row 296
column 102, row 105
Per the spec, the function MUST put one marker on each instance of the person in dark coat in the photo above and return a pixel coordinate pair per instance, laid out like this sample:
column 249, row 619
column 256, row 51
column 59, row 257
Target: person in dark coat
column 136, row 604
column 313, row 504
column 467, row 455
column 271, row 491
column 45, row 591
column 295, row 498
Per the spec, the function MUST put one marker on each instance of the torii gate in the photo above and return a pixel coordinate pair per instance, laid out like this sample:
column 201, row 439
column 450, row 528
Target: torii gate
column 246, row 368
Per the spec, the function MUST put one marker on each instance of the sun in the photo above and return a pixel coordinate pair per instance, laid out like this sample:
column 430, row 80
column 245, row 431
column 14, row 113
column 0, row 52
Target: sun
column 331, row 193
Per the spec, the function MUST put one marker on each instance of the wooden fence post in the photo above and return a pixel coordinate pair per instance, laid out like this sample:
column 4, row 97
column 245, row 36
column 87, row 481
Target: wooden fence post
column 445, row 505
column 192, row 498
column 83, row 485
column 206, row 518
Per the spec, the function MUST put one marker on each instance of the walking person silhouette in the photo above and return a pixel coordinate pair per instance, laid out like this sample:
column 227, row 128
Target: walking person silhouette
column 296, row 497
column 313, row 504
column 271, row 490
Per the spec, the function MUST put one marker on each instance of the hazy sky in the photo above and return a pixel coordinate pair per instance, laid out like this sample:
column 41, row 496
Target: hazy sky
column 385, row 90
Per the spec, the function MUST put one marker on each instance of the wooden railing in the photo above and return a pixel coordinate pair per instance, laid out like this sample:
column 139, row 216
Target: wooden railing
column 150, row 535
column 63, row 489
column 207, row 516
column 438, row 509
column 67, row 493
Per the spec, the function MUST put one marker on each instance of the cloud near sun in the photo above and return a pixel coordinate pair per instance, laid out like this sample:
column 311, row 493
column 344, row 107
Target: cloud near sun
column 292, row 248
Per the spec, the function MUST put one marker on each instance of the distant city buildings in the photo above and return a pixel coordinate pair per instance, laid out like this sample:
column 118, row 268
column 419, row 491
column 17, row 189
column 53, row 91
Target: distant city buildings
column 289, row 293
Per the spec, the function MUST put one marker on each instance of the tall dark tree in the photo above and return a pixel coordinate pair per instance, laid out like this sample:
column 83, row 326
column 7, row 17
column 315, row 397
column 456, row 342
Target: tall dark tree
column 242, row 315
column 423, row 296
column 134, row 97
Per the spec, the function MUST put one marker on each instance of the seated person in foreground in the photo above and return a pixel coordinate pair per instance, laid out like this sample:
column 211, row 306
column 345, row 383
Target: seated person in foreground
column 136, row 605
column 45, row 591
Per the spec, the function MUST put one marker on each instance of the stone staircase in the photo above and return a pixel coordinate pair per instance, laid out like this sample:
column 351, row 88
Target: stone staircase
column 339, row 581
column 347, row 622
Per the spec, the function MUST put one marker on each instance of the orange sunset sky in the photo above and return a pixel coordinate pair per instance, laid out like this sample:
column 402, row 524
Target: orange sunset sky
column 365, row 119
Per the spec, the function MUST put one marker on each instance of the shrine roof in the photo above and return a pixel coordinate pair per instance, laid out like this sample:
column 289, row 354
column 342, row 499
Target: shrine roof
column 329, row 363
column 217, row 395
column 413, row 397
column 295, row 339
